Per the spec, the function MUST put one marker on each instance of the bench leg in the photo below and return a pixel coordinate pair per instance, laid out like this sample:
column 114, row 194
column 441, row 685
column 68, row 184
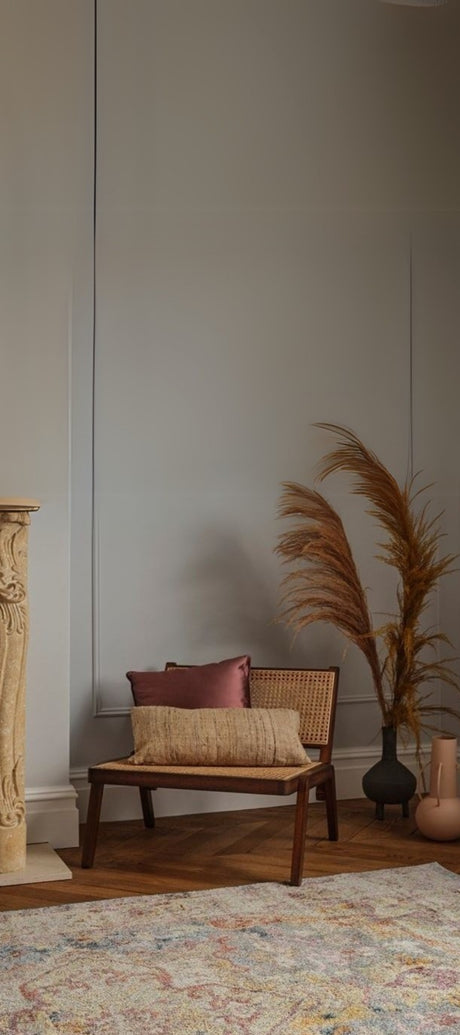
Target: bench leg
column 300, row 829
column 92, row 825
column 147, row 807
column 331, row 808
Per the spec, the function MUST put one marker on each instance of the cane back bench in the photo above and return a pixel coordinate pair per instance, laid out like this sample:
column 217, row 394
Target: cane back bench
column 313, row 693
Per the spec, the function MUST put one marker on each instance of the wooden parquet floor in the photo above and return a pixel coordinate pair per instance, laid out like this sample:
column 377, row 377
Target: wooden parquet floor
column 186, row 853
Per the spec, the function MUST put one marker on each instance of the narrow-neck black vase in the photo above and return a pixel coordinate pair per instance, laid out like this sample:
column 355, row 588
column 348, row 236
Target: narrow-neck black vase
column 389, row 782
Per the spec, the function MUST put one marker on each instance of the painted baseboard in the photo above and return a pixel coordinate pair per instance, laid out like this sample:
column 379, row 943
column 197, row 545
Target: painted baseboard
column 120, row 803
column 52, row 816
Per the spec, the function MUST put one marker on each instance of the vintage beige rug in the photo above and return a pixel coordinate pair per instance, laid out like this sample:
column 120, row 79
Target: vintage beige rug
column 354, row 954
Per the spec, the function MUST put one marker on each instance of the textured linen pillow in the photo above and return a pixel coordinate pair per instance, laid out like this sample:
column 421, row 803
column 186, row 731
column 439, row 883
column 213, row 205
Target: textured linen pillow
column 222, row 684
column 216, row 736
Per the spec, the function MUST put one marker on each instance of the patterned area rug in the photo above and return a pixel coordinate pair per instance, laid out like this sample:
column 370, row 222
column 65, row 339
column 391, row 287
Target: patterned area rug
column 354, row 953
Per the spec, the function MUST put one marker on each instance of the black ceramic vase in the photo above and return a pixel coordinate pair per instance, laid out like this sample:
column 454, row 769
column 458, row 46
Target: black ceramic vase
column 389, row 782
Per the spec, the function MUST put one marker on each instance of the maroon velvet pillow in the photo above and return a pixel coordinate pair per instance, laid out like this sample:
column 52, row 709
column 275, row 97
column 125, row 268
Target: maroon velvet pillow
column 222, row 684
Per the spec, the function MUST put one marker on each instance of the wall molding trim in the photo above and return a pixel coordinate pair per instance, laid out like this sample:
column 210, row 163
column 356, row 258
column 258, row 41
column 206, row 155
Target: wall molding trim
column 52, row 815
column 100, row 712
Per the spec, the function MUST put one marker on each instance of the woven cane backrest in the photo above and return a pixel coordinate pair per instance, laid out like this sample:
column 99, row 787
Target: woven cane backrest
column 311, row 692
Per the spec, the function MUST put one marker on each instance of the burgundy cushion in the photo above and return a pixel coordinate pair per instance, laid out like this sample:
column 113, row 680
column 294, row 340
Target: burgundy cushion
column 222, row 684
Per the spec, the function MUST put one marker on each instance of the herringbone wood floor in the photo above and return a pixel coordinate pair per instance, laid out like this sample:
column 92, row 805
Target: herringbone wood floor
column 190, row 852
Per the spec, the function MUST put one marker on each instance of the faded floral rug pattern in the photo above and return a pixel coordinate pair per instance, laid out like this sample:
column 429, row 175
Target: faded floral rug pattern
column 342, row 955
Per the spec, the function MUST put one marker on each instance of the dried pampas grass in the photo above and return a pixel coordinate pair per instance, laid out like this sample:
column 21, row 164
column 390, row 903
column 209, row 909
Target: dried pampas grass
column 325, row 584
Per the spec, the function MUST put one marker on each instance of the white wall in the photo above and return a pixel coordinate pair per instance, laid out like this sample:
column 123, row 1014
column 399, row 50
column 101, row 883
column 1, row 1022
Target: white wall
column 45, row 195
column 437, row 414
column 261, row 166
column 262, row 170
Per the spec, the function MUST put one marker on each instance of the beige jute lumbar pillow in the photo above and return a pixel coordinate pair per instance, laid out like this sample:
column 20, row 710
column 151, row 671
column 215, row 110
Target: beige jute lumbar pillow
column 216, row 736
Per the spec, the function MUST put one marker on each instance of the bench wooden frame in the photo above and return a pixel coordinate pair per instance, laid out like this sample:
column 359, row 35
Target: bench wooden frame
column 313, row 692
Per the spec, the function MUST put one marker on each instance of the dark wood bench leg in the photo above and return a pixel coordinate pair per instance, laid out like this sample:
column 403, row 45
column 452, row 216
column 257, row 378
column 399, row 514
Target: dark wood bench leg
column 92, row 825
column 331, row 808
column 300, row 829
column 147, row 806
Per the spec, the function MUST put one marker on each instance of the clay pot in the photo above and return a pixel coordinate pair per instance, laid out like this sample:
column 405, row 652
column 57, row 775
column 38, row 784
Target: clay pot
column 438, row 813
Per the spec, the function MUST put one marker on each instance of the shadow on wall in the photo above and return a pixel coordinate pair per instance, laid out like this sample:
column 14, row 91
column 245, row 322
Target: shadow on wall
column 230, row 601
column 222, row 602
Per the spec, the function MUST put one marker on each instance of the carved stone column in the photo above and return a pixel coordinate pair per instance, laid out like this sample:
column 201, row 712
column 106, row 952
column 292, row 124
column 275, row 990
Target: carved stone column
column 14, row 629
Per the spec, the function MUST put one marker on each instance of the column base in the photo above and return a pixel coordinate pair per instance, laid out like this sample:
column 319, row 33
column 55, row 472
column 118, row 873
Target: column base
column 12, row 848
column 42, row 864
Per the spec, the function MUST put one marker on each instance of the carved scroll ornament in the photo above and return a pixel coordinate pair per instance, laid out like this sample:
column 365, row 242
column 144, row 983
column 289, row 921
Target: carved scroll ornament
column 14, row 627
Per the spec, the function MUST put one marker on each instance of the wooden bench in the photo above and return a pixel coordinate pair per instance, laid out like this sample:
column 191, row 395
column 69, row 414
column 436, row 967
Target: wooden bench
column 313, row 693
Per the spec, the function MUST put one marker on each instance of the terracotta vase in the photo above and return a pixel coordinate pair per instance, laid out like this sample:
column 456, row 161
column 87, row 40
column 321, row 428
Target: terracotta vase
column 389, row 782
column 438, row 813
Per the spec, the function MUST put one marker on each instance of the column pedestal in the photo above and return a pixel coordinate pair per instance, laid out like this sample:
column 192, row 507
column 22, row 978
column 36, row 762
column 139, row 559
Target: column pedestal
column 16, row 865
column 14, row 630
